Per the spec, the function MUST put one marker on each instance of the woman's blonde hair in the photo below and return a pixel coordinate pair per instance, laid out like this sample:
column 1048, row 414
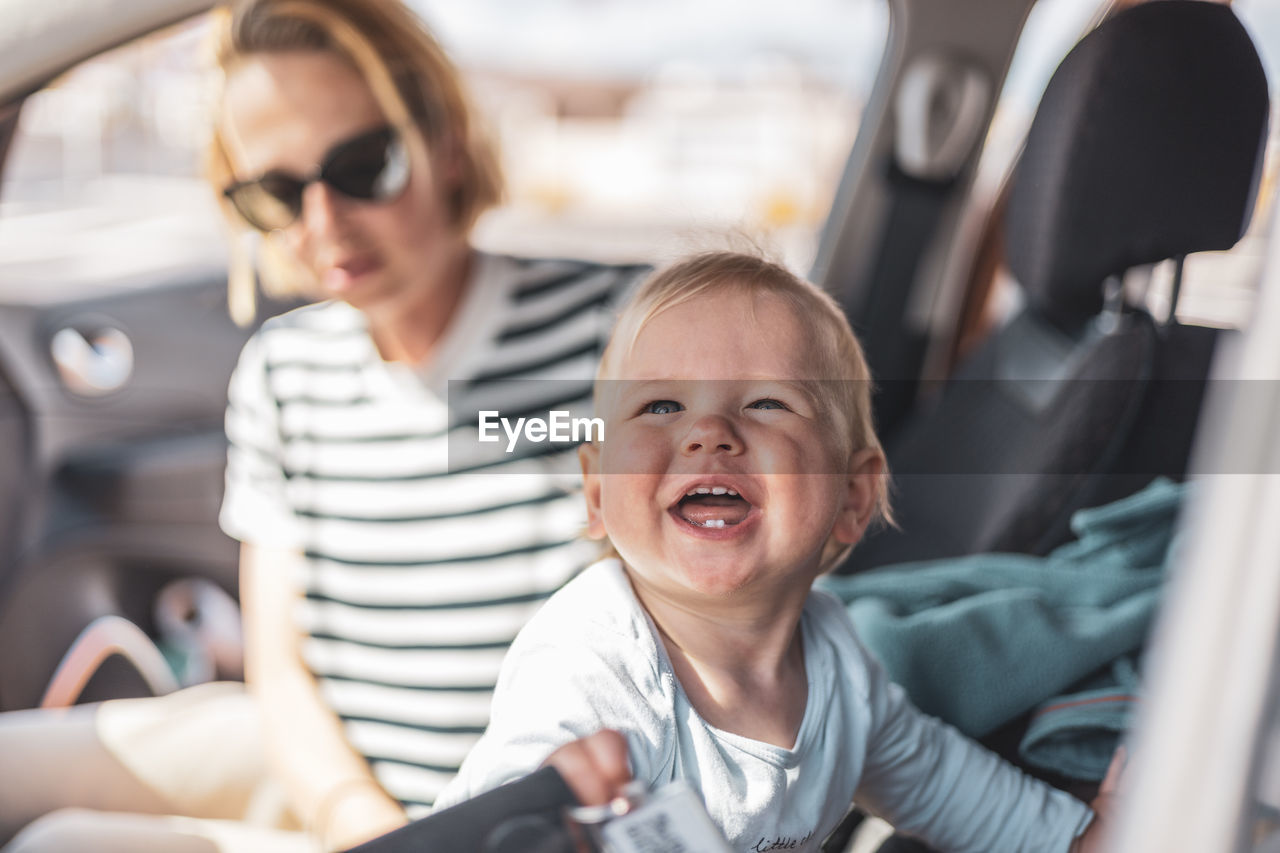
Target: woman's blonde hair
column 415, row 84
column 840, row 367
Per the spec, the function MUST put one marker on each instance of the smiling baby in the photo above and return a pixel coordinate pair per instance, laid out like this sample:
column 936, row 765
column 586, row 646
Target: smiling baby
column 740, row 463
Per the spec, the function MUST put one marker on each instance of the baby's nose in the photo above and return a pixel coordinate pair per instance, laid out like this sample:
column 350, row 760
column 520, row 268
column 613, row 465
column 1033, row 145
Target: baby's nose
column 712, row 433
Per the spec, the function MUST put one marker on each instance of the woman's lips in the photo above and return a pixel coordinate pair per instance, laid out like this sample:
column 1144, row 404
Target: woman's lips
column 343, row 276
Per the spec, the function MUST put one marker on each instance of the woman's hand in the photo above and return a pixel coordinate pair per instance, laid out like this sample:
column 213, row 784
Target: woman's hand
column 594, row 767
column 328, row 783
column 1104, row 806
column 356, row 813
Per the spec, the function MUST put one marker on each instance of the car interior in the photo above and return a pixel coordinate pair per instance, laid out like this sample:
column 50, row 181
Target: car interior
column 1083, row 397
column 1147, row 146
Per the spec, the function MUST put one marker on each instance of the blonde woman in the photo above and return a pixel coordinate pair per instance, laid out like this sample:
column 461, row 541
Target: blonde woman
column 380, row 585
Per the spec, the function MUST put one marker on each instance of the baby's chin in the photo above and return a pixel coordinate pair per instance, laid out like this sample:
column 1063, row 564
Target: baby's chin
column 700, row 579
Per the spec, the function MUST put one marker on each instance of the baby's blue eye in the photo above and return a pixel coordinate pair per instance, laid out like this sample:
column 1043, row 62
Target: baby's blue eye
column 767, row 404
column 662, row 407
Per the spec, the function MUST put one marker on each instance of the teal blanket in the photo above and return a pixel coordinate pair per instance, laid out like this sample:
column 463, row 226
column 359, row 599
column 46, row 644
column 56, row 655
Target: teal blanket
column 980, row 640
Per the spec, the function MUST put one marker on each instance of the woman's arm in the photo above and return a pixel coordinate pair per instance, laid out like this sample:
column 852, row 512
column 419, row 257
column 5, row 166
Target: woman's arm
column 328, row 783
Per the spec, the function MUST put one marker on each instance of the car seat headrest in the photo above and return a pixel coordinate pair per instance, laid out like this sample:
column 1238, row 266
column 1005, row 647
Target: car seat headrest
column 1147, row 144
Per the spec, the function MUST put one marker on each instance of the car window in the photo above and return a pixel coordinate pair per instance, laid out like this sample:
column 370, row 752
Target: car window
column 1052, row 28
column 1220, row 288
column 637, row 130
column 101, row 184
column 629, row 130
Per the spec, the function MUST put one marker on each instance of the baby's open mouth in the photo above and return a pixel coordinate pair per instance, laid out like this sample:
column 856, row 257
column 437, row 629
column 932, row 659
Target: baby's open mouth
column 712, row 506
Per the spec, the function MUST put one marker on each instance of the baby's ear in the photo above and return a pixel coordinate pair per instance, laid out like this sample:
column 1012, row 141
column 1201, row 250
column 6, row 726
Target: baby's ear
column 589, row 457
column 862, row 494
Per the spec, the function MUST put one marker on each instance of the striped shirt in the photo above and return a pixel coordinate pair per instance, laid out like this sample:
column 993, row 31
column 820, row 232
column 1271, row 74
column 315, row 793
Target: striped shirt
column 423, row 555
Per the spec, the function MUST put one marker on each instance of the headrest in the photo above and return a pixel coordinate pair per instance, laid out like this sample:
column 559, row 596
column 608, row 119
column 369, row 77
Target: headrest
column 1146, row 145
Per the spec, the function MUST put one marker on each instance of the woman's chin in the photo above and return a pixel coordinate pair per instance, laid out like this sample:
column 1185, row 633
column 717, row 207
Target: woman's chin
column 363, row 291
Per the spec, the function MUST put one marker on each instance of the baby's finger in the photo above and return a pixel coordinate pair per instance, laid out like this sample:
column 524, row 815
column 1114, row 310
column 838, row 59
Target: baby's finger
column 577, row 767
column 608, row 751
column 1111, row 782
column 595, row 767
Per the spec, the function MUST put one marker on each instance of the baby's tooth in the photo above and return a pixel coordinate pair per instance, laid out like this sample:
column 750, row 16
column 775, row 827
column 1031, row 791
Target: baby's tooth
column 719, row 490
column 732, row 492
column 702, row 490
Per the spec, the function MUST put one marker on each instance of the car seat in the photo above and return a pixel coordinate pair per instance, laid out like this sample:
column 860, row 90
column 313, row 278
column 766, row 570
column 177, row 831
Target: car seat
column 1147, row 145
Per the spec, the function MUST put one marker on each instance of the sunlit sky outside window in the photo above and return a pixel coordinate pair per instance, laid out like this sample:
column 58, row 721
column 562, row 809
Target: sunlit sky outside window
column 640, row 130
column 629, row 130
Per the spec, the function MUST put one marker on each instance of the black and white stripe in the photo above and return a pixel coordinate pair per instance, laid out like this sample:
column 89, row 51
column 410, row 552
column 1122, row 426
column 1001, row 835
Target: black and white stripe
column 418, row 574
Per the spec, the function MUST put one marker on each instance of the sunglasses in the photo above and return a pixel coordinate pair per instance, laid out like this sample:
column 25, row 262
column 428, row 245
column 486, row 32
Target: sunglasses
column 373, row 166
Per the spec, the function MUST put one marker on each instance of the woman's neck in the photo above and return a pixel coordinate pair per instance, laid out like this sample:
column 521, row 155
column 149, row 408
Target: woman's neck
column 742, row 667
column 410, row 328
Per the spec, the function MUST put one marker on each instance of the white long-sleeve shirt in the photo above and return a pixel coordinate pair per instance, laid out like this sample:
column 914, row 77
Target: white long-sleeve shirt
column 591, row 659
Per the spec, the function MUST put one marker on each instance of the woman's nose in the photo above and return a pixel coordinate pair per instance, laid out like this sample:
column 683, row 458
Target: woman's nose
column 322, row 209
column 712, row 434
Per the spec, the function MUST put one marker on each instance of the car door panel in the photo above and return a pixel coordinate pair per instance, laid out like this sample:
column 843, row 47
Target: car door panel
column 108, row 498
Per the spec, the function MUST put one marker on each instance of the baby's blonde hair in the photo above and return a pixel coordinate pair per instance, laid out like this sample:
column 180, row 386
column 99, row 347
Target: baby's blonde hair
column 840, row 366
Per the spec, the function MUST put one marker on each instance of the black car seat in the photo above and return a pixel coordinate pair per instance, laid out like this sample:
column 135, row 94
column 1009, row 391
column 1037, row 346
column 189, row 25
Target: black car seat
column 1147, row 145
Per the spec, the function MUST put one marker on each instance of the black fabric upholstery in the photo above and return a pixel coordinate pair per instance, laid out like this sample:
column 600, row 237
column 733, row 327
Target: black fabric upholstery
column 1146, row 145
column 1158, row 442
column 997, row 459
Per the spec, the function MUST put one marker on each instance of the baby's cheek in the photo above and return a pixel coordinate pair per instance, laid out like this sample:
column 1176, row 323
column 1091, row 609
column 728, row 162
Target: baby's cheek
column 626, row 454
column 807, row 455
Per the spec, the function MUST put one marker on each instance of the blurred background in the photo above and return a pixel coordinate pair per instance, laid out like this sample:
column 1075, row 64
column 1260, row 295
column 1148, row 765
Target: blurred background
column 629, row 131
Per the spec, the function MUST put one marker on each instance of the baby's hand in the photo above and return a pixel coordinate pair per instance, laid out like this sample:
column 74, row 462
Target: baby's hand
column 1104, row 806
column 594, row 767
